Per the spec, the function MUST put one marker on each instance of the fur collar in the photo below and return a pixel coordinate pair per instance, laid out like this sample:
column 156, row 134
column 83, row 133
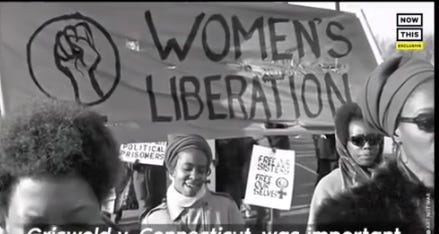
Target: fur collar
column 391, row 199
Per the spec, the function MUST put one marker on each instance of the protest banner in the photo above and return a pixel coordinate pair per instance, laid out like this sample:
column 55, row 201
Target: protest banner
column 152, row 153
column 270, row 180
column 216, row 69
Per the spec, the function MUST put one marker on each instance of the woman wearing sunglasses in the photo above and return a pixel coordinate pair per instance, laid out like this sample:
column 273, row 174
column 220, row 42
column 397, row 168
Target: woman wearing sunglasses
column 190, row 205
column 360, row 149
column 398, row 100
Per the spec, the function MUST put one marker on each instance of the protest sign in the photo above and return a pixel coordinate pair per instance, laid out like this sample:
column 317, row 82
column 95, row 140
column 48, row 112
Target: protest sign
column 270, row 181
column 152, row 153
column 216, row 69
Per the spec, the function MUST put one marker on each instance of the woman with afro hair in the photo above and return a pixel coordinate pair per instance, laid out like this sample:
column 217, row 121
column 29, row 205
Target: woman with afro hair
column 58, row 162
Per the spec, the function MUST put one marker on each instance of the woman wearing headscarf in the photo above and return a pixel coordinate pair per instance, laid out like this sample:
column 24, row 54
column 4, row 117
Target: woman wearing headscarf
column 190, row 205
column 360, row 149
column 398, row 100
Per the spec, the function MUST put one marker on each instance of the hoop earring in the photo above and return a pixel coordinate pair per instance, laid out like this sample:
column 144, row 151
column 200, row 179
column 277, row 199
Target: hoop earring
column 403, row 159
column 399, row 154
column 397, row 151
column 395, row 147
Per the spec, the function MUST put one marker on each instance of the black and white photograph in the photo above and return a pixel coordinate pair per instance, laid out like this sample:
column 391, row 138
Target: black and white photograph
column 217, row 117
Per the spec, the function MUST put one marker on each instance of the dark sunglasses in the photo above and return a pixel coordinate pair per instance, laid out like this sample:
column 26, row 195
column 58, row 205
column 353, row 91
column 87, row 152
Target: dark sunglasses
column 360, row 140
column 424, row 121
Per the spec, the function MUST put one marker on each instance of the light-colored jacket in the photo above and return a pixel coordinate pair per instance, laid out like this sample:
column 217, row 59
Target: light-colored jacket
column 328, row 186
column 212, row 210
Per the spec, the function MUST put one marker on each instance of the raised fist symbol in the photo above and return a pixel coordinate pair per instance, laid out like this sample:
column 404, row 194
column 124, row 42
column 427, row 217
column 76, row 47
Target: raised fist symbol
column 76, row 56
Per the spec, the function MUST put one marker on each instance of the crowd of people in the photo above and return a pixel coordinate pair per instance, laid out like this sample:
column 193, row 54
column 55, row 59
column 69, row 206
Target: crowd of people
column 59, row 163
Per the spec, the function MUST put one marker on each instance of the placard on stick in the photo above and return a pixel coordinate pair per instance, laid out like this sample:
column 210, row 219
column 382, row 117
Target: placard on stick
column 271, row 178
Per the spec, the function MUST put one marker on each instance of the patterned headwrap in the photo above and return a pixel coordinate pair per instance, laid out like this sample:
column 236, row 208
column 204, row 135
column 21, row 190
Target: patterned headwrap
column 388, row 87
column 182, row 142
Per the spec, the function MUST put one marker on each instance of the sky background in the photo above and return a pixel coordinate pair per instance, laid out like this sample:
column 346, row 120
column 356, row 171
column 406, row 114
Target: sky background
column 382, row 15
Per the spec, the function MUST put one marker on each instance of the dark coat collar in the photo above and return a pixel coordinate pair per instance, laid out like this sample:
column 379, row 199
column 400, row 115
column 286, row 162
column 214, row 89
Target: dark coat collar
column 391, row 199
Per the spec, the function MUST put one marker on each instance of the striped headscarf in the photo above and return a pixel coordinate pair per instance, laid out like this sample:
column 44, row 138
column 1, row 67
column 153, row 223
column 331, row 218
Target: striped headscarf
column 180, row 142
column 388, row 87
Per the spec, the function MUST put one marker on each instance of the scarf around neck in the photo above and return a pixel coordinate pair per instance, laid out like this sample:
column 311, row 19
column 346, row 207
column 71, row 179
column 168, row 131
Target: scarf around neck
column 352, row 173
column 177, row 202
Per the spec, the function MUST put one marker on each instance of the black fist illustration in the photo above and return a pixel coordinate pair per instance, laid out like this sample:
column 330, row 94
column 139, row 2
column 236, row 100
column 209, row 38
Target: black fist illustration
column 76, row 56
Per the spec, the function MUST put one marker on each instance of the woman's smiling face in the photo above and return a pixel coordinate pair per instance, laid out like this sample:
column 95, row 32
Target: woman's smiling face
column 190, row 172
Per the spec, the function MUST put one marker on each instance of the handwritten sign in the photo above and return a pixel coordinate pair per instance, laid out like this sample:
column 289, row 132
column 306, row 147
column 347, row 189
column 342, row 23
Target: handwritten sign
column 216, row 69
column 152, row 153
column 271, row 178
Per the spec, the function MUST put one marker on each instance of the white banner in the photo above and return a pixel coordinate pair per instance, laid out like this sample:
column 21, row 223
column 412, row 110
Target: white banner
column 216, row 69
column 271, row 178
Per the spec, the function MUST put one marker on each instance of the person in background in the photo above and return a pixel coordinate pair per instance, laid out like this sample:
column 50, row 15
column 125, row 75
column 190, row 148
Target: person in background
column 58, row 163
column 327, row 157
column 360, row 148
column 232, row 155
column 149, row 185
column 279, row 141
column 190, row 205
column 125, row 194
column 398, row 101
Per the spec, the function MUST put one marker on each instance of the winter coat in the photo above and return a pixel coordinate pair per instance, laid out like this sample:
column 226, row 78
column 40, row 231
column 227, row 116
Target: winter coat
column 393, row 199
column 328, row 186
column 212, row 210
column 125, row 194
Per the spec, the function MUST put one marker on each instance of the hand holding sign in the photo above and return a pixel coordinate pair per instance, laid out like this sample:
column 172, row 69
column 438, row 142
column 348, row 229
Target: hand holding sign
column 76, row 55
